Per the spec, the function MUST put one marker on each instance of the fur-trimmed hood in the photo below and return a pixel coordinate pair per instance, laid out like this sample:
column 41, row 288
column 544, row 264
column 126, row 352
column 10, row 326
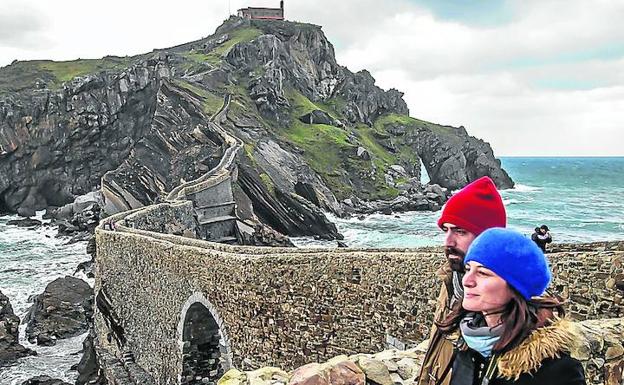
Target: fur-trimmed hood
column 562, row 336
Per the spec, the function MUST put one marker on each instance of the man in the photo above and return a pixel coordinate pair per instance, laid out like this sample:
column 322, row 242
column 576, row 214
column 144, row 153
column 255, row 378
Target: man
column 541, row 236
column 474, row 209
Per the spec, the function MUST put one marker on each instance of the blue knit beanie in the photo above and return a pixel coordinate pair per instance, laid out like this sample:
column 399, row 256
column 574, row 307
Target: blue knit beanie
column 514, row 258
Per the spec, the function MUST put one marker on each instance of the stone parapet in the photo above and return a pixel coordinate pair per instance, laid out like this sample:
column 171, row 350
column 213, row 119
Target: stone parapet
column 601, row 354
column 286, row 307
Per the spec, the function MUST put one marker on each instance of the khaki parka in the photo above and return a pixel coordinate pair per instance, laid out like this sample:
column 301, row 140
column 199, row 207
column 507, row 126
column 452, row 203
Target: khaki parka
column 440, row 350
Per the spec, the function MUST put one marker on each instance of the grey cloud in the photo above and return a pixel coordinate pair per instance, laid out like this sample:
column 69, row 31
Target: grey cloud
column 22, row 27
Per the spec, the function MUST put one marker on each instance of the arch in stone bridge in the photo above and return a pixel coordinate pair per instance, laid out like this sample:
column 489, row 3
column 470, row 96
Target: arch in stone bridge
column 206, row 354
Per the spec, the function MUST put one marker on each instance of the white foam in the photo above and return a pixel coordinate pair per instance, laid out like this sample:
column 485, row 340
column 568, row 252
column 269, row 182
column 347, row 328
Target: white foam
column 54, row 361
column 525, row 188
column 29, row 260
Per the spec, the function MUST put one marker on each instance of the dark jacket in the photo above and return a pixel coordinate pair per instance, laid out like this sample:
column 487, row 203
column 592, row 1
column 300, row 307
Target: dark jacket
column 541, row 239
column 541, row 359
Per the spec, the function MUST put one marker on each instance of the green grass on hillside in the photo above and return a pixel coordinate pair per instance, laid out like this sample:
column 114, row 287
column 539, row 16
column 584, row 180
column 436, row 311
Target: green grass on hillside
column 408, row 121
column 328, row 151
column 302, row 105
column 211, row 103
column 215, row 56
column 24, row 75
column 268, row 182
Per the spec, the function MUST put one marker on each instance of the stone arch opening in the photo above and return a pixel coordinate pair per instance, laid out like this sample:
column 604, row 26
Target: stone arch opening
column 206, row 355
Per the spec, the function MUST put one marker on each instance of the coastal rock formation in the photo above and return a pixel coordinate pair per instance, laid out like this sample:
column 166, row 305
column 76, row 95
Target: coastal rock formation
column 56, row 143
column 455, row 162
column 62, row 310
column 312, row 132
column 88, row 367
column 429, row 198
column 10, row 349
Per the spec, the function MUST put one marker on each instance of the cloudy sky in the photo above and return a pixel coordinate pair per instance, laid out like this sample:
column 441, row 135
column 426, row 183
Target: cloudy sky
column 542, row 77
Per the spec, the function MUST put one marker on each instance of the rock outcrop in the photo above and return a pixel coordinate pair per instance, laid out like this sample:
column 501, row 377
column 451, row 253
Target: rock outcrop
column 57, row 144
column 62, row 310
column 44, row 380
column 10, row 349
column 313, row 132
column 390, row 367
column 88, row 367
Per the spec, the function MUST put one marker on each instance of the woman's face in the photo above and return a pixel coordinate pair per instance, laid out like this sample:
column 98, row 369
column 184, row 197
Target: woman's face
column 484, row 291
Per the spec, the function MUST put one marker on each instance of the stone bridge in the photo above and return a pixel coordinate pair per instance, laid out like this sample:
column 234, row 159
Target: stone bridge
column 173, row 308
column 191, row 308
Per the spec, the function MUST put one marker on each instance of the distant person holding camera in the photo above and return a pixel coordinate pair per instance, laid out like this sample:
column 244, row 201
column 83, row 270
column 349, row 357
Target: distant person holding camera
column 542, row 236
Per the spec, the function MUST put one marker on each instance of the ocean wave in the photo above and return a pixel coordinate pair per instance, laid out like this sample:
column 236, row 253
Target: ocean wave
column 525, row 188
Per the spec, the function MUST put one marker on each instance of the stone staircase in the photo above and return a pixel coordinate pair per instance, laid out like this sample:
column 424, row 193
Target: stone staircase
column 211, row 194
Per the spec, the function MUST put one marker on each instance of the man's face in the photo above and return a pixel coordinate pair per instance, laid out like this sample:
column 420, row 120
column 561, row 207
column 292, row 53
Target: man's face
column 542, row 230
column 456, row 242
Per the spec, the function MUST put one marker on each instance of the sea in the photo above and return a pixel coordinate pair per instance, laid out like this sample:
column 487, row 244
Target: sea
column 579, row 199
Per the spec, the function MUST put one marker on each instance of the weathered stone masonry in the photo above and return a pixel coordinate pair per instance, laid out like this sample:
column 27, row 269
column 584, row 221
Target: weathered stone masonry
column 185, row 310
column 286, row 307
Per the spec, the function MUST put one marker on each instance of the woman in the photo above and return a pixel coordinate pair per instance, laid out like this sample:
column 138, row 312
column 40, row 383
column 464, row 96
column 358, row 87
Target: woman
column 507, row 335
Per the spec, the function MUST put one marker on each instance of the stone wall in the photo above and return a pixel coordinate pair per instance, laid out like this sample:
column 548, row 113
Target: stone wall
column 601, row 354
column 590, row 246
column 286, row 307
column 591, row 281
column 166, row 218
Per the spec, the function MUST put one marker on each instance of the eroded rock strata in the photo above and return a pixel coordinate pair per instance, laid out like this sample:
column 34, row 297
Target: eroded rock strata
column 315, row 135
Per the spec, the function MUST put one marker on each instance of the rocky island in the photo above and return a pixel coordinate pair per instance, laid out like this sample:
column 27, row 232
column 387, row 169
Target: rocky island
column 314, row 136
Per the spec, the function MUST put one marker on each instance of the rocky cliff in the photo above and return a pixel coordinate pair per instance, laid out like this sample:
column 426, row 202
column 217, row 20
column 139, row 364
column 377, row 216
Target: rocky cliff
column 316, row 136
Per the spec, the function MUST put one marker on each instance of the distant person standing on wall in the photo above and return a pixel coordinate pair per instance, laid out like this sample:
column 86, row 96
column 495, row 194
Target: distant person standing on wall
column 468, row 213
column 542, row 236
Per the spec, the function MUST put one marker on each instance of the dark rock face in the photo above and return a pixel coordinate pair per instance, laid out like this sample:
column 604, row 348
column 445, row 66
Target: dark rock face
column 10, row 349
column 301, row 55
column 277, row 210
column 44, row 380
column 367, row 101
column 320, row 117
column 88, row 367
column 180, row 146
column 454, row 164
column 62, row 310
column 50, row 140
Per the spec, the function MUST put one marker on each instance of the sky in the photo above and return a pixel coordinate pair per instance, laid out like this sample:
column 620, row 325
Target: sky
column 531, row 77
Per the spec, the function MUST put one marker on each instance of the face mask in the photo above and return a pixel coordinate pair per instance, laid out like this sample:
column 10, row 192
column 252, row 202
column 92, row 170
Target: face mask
column 481, row 344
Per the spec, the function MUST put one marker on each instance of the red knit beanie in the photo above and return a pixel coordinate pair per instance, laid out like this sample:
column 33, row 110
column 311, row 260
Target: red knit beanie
column 475, row 208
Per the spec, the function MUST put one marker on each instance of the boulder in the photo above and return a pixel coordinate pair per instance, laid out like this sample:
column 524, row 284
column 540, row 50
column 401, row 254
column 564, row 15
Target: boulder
column 44, row 380
column 26, row 222
column 384, row 368
column 375, row 370
column 319, row 117
column 88, row 368
column 362, row 153
column 62, row 310
column 10, row 349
